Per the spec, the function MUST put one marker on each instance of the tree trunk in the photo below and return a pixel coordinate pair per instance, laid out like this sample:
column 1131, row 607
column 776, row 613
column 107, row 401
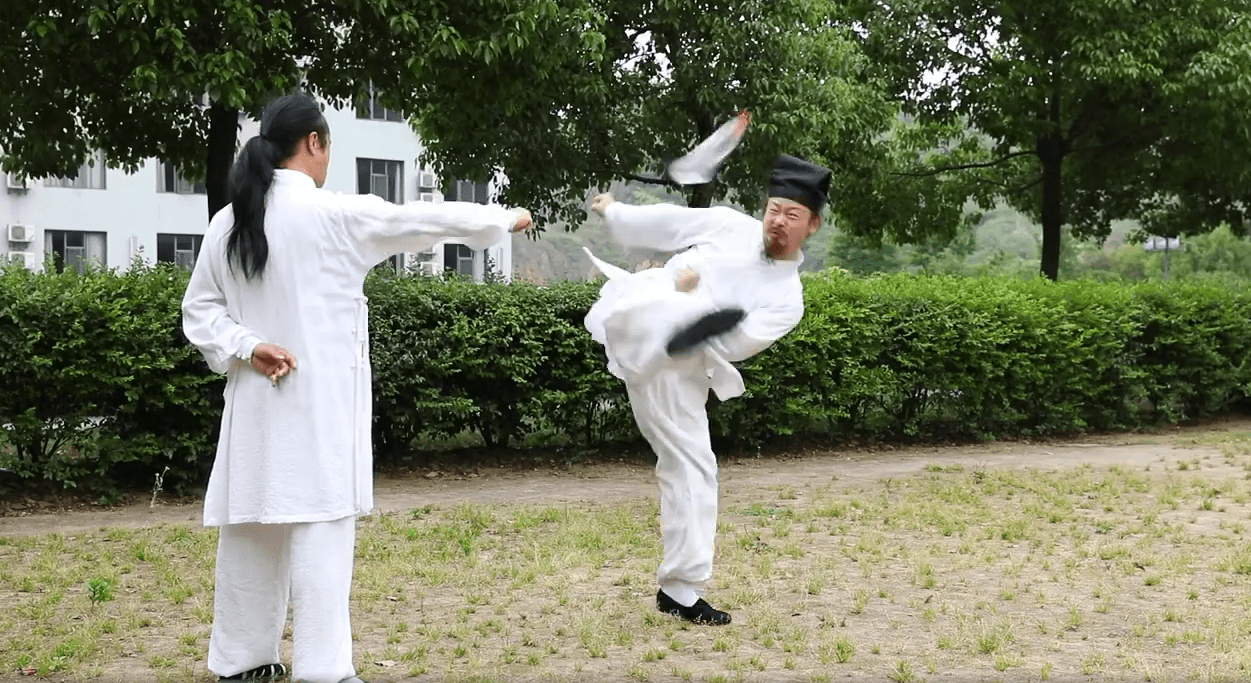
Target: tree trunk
column 700, row 196
column 1051, row 154
column 223, row 135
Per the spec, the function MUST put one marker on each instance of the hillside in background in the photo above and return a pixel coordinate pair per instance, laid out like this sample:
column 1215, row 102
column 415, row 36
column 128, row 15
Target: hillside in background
column 1002, row 242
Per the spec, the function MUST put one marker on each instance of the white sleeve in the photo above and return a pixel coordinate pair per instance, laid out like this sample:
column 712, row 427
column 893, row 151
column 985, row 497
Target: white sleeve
column 386, row 228
column 667, row 227
column 700, row 164
column 758, row 330
column 205, row 319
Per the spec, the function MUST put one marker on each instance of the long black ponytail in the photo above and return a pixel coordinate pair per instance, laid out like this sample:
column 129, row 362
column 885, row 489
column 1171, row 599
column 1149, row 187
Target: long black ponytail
column 284, row 125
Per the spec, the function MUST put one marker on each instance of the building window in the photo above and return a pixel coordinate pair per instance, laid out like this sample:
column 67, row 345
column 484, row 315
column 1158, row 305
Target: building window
column 73, row 249
column 467, row 191
column 90, row 175
column 168, row 179
column 381, row 177
column 368, row 108
column 458, row 258
column 384, row 178
column 181, row 250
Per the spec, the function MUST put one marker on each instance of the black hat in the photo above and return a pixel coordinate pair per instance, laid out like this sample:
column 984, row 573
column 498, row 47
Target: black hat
column 801, row 181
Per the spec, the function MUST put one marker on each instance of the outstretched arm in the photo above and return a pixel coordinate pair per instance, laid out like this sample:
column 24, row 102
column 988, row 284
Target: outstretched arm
column 388, row 228
column 663, row 227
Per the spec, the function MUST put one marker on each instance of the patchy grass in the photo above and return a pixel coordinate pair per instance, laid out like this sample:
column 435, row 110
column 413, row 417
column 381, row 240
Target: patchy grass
column 1127, row 573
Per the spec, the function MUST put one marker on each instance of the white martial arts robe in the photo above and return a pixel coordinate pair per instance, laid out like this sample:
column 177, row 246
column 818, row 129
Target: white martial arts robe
column 301, row 452
column 637, row 314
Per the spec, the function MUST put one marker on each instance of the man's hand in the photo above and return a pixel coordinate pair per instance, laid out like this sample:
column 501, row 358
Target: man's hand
column 524, row 223
column 687, row 280
column 744, row 118
column 600, row 204
column 273, row 361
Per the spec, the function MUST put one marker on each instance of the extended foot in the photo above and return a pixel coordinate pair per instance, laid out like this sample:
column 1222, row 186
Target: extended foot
column 711, row 325
column 265, row 672
column 700, row 613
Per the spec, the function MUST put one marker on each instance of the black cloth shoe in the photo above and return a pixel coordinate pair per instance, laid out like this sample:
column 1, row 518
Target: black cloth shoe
column 699, row 613
column 711, row 325
column 265, row 672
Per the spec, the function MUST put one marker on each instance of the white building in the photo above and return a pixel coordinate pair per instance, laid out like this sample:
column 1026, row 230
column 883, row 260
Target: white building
column 111, row 217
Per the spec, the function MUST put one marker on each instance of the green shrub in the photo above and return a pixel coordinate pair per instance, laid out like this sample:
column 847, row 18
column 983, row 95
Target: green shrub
column 101, row 390
column 910, row 357
column 504, row 361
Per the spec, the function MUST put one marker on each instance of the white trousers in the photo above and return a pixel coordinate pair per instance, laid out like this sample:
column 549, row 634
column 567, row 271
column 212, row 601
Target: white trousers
column 258, row 567
column 670, row 409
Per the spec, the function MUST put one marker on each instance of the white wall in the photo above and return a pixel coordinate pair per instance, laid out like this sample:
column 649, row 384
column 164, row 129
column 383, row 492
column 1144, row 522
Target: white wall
column 130, row 210
column 129, row 206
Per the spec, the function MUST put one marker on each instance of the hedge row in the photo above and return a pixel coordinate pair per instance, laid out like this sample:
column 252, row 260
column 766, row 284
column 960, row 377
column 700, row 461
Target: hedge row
column 99, row 389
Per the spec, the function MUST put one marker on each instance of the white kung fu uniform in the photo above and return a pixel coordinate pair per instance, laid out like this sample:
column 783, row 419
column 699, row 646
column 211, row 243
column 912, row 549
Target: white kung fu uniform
column 294, row 462
column 637, row 314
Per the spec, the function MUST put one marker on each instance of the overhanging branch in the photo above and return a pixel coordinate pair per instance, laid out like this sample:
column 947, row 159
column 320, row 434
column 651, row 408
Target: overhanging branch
column 1028, row 186
column 1007, row 189
column 962, row 167
column 648, row 179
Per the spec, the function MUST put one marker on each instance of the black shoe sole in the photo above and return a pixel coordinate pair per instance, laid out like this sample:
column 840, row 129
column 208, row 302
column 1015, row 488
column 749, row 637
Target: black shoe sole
column 700, row 613
column 261, row 674
column 711, row 325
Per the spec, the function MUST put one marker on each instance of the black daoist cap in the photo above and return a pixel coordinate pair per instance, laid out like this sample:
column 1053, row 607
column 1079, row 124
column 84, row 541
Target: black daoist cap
column 800, row 181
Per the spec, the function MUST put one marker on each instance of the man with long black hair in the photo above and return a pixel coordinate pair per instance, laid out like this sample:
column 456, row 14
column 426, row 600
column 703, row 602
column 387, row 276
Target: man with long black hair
column 279, row 278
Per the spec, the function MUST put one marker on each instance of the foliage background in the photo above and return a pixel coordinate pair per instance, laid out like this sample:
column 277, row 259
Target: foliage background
column 102, row 392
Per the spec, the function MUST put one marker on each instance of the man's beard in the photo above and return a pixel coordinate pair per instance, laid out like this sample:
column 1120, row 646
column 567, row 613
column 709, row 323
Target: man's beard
column 773, row 247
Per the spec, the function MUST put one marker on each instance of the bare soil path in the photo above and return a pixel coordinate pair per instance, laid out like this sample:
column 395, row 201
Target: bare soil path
column 740, row 477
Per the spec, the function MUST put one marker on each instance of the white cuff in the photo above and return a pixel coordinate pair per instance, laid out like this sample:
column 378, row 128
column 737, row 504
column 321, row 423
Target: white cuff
column 247, row 347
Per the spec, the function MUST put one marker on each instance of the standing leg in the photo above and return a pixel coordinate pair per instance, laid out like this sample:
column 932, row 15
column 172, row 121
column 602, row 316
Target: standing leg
column 322, row 554
column 249, row 600
column 670, row 410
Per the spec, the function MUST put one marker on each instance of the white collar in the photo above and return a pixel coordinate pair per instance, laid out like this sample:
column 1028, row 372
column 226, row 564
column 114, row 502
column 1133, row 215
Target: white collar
column 287, row 176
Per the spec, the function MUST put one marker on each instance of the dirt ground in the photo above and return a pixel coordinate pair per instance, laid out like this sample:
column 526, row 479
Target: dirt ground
column 621, row 481
column 747, row 481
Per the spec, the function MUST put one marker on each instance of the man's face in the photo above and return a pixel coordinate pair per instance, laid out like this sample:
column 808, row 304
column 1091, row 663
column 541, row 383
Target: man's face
column 787, row 224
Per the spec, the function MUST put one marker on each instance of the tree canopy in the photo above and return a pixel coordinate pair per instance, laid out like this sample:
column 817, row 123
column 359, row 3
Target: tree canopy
column 1077, row 112
column 622, row 86
column 139, row 79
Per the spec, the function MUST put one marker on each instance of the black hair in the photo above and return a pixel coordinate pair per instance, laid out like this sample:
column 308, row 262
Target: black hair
column 284, row 124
